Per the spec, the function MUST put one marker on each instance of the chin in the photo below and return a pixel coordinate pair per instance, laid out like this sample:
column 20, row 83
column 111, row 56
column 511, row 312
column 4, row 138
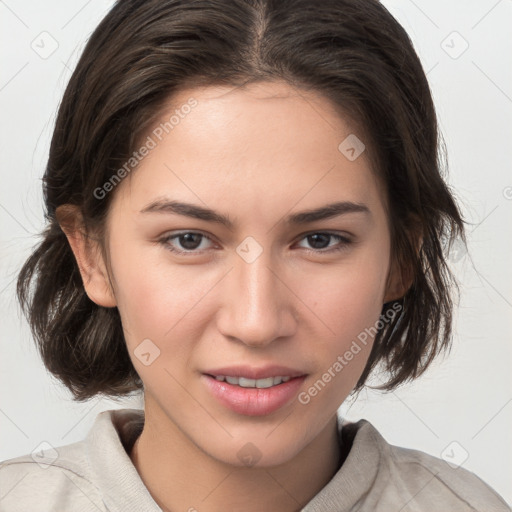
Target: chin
column 260, row 447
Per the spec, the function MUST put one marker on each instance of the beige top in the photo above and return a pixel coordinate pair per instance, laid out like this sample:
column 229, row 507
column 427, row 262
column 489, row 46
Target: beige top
column 97, row 474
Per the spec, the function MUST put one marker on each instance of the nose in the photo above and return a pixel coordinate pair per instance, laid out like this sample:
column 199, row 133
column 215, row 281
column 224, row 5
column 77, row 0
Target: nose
column 257, row 304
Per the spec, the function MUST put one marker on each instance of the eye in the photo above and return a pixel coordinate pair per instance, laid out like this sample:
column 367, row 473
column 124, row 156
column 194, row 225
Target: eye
column 189, row 241
column 320, row 240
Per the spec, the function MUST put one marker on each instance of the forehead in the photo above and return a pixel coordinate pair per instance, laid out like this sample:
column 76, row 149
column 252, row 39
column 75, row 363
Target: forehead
column 247, row 147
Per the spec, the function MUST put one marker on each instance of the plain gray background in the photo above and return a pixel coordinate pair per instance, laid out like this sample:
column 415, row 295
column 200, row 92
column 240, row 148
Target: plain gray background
column 461, row 410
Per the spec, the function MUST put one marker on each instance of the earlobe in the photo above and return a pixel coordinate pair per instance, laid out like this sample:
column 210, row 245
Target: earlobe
column 87, row 255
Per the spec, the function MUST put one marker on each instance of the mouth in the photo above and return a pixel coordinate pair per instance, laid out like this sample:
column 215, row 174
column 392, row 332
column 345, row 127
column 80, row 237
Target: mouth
column 250, row 395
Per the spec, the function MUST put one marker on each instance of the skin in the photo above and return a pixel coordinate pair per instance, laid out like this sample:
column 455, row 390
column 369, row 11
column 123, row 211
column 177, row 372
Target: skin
column 256, row 154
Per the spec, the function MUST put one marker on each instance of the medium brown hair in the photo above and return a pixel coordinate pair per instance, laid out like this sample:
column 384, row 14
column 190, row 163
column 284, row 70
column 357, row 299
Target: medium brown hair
column 352, row 52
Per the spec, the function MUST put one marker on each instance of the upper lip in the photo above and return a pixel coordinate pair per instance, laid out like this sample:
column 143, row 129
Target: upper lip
column 251, row 372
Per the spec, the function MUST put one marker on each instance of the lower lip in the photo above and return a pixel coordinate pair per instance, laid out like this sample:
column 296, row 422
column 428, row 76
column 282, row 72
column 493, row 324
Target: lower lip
column 253, row 401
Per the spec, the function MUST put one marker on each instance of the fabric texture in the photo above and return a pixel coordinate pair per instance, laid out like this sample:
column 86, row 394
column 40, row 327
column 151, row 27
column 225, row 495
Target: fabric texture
column 97, row 474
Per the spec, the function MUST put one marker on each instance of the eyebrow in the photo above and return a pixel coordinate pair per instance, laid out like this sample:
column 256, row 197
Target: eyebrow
column 307, row 216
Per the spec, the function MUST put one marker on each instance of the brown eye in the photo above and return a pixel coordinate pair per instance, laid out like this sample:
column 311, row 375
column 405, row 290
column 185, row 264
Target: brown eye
column 184, row 242
column 322, row 240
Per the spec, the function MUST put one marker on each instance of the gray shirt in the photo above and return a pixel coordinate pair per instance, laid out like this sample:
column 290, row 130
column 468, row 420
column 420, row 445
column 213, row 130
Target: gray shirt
column 97, row 474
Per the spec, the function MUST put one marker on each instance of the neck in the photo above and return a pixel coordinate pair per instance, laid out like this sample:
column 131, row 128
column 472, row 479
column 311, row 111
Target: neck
column 181, row 476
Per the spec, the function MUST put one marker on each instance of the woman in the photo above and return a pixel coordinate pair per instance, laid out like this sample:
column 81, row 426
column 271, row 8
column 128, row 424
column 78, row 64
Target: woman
column 246, row 219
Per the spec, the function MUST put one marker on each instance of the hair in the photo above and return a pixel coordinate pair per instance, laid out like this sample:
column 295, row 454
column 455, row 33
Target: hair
column 352, row 52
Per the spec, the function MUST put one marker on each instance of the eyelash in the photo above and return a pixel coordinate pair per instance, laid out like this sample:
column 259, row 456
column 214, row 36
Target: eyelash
column 345, row 242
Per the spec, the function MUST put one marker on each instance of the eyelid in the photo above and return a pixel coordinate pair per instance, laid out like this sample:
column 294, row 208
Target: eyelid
column 342, row 234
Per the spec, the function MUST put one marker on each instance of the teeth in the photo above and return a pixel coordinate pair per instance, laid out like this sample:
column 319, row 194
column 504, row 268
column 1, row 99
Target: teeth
column 253, row 383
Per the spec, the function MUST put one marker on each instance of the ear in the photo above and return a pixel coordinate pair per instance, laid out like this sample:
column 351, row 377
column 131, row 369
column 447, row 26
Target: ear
column 88, row 256
column 401, row 277
column 398, row 283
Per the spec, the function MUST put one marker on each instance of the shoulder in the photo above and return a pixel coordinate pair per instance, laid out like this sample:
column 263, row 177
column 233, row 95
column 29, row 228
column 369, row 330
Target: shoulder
column 51, row 479
column 426, row 483
column 94, row 474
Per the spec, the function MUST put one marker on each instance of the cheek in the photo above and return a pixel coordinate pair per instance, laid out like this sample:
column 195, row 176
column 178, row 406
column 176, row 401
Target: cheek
column 349, row 298
column 154, row 296
column 349, row 302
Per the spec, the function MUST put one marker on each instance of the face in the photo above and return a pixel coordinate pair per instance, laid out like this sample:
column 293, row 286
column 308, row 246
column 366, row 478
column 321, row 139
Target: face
column 237, row 283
